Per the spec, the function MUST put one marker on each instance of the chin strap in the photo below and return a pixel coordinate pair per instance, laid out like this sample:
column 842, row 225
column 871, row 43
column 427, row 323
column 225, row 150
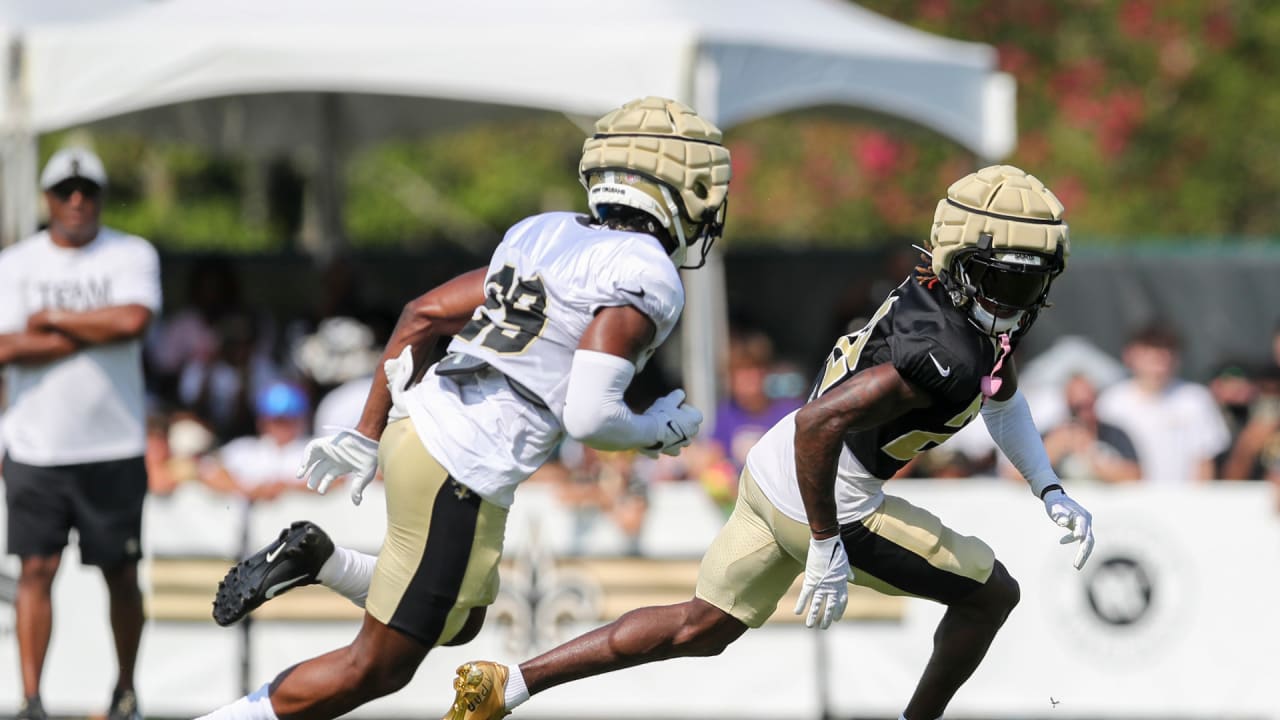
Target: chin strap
column 990, row 383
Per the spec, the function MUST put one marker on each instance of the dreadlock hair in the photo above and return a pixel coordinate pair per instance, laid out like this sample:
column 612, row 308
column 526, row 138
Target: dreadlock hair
column 623, row 217
column 924, row 271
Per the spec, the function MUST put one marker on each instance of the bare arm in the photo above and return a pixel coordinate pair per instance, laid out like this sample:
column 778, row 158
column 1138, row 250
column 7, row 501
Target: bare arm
column 442, row 311
column 1204, row 471
column 94, row 327
column 623, row 331
column 1243, row 456
column 35, row 348
column 870, row 398
column 1115, row 469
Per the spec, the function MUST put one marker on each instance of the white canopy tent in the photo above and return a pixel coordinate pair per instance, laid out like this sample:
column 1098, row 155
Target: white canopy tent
column 260, row 75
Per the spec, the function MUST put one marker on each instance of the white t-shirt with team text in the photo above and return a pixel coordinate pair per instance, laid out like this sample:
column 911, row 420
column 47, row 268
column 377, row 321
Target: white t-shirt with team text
column 88, row 406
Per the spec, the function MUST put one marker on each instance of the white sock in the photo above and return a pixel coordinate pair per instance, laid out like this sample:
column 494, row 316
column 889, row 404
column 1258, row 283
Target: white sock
column 516, row 692
column 348, row 573
column 254, row 706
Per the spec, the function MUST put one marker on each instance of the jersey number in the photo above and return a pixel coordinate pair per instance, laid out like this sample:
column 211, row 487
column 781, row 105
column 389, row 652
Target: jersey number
column 843, row 359
column 904, row 447
column 513, row 316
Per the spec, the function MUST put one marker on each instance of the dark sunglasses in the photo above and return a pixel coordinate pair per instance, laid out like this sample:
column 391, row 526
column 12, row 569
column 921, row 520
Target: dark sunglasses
column 65, row 189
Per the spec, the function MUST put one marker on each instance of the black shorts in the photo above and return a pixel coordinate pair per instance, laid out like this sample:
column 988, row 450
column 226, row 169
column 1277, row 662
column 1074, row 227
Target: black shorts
column 102, row 501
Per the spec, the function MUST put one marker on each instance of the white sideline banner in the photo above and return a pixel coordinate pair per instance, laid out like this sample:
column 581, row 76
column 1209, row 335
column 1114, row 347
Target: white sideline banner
column 1173, row 617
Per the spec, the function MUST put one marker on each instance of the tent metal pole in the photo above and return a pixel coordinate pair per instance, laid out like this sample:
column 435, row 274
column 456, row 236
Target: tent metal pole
column 18, row 153
column 704, row 330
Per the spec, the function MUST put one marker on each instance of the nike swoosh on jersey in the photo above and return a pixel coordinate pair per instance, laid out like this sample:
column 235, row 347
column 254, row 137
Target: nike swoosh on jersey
column 943, row 371
column 637, row 293
column 282, row 586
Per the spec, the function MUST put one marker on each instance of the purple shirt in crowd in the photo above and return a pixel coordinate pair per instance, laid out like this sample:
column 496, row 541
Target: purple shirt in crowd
column 737, row 430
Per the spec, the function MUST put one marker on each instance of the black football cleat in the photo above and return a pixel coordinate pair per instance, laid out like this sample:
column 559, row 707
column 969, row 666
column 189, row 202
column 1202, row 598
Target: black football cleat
column 31, row 709
column 124, row 706
column 294, row 559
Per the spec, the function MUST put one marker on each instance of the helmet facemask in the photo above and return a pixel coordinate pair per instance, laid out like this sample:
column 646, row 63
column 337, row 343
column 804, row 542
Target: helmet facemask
column 1003, row 290
column 705, row 233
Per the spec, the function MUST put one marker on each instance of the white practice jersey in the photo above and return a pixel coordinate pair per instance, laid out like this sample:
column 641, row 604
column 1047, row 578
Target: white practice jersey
column 87, row 406
column 547, row 279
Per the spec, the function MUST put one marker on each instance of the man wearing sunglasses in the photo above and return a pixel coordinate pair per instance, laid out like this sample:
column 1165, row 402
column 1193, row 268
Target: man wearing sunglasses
column 75, row 299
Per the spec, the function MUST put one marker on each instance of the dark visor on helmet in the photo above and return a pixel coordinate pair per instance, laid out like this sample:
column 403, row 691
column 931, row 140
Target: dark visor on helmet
column 1016, row 281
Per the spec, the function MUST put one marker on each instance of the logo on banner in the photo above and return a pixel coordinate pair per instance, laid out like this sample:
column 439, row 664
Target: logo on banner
column 1131, row 600
column 1120, row 591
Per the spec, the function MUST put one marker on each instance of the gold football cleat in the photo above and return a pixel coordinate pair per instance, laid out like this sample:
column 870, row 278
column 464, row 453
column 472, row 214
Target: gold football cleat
column 481, row 687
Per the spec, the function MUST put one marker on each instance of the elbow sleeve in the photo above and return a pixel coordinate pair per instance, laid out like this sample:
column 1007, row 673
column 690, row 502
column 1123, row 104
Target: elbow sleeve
column 1015, row 433
column 594, row 410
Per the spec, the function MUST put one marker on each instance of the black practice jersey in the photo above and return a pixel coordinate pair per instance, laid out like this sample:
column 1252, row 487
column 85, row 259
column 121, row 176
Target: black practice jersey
column 933, row 346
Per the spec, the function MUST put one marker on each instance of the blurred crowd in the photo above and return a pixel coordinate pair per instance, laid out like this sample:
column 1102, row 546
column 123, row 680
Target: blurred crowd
column 236, row 394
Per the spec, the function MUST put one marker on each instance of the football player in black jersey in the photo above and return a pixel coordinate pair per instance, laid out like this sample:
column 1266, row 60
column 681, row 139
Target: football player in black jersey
column 932, row 358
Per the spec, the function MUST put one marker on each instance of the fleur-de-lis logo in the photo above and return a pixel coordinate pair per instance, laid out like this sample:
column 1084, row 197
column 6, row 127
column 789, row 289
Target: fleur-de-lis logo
column 538, row 600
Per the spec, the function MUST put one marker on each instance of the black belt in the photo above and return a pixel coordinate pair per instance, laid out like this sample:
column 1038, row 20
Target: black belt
column 456, row 363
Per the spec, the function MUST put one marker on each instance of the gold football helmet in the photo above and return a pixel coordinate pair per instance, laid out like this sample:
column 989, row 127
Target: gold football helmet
column 997, row 243
column 660, row 157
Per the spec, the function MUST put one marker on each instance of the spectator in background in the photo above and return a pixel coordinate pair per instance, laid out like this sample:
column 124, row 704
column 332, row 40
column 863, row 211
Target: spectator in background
column 1085, row 448
column 263, row 466
column 1234, row 390
column 175, row 445
column 221, row 389
column 741, row 418
column 75, row 301
column 1174, row 424
column 1255, row 453
column 191, row 335
column 748, row 411
column 160, row 481
column 600, row 485
column 342, row 352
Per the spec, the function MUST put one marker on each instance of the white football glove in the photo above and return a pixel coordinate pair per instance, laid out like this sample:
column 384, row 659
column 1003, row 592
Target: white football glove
column 677, row 421
column 826, row 582
column 398, row 371
column 1071, row 515
column 328, row 458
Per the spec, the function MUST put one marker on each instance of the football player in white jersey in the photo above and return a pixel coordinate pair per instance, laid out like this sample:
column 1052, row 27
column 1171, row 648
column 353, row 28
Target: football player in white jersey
column 546, row 340
column 932, row 358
